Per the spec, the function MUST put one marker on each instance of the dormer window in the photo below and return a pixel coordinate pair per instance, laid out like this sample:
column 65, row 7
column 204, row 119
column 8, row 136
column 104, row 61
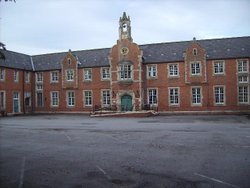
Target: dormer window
column 194, row 51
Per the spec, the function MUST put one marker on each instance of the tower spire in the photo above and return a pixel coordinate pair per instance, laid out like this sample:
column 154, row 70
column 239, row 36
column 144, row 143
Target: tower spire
column 125, row 27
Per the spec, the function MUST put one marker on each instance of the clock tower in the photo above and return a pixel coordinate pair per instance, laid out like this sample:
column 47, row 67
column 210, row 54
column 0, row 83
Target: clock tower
column 125, row 27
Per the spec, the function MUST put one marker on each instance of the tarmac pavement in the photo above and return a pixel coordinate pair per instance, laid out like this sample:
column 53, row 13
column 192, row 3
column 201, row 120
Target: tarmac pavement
column 76, row 151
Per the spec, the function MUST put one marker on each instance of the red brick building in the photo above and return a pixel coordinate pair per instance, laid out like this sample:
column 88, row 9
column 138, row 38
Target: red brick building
column 198, row 75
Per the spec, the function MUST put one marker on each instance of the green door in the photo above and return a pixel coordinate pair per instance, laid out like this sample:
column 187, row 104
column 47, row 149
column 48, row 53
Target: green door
column 16, row 102
column 126, row 103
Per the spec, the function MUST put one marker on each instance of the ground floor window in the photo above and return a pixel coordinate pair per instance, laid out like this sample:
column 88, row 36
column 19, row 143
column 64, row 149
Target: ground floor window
column 71, row 98
column 174, row 96
column 54, row 98
column 2, row 100
column 39, row 99
column 196, row 95
column 219, row 95
column 27, row 98
column 152, row 96
column 88, row 98
column 243, row 94
column 106, row 97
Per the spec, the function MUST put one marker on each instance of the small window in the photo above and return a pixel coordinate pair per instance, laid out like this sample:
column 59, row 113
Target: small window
column 152, row 71
column 27, row 99
column 70, row 75
column 69, row 61
column 2, row 74
column 88, row 74
column 243, row 79
column 195, row 68
column 173, row 70
column 195, row 51
column 105, row 73
column 39, row 87
column 174, row 97
column 54, row 76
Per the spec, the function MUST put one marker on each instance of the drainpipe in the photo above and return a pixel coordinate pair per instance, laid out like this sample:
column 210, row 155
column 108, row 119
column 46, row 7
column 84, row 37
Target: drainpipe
column 23, row 91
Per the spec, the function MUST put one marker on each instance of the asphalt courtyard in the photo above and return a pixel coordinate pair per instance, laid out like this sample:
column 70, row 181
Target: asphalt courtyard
column 77, row 151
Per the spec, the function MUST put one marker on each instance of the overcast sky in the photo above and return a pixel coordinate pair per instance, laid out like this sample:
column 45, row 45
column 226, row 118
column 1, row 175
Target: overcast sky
column 46, row 26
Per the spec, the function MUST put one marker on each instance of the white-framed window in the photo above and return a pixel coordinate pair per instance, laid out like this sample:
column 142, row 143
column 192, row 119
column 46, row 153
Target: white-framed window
column 39, row 87
column 173, row 70
column 106, row 98
column 152, row 97
column 195, row 68
column 39, row 77
column 196, row 95
column 16, row 76
column 219, row 67
column 87, row 74
column 219, row 95
column 2, row 74
column 105, row 73
column 54, row 98
column 2, row 101
column 243, row 94
column 243, row 79
column 54, row 76
column 39, row 99
column 70, row 75
column 242, row 66
column 152, row 71
column 70, row 98
column 174, row 96
column 125, row 72
column 27, row 77
column 87, row 98
column 27, row 99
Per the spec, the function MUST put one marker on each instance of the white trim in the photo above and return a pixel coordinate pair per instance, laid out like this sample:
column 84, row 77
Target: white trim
column 51, row 77
column 39, row 81
column 27, row 75
column 195, row 62
column 51, row 99
column 106, row 105
column 67, row 98
column 148, row 69
column 240, row 60
column 16, row 76
column 178, row 70
column 179, row 97
column 238, row 95
column 85, row 70
column 101, row 72
column 66, row 73
column 157, row 98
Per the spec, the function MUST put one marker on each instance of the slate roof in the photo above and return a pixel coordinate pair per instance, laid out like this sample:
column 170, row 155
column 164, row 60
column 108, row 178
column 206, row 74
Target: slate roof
column 15, row 60
column 224, row 48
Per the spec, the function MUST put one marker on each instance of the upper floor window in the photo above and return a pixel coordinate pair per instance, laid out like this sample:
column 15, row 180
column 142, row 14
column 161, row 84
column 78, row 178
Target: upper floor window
column 88, row 74
column 194, row 51
column 16, row 76
column 152, row 96
column 195, row 68
column 173, row 70
column 152, row 71
column 70, row 75
column 242, row 66
column 125, row 72
column 243, row 79
column 174, row 97
column 105, row 73
column 219, row 95
column 196, row 95
column 27, row 77
column 39, row 77
column 54, row 76
column 2, row 74
column 219, row 67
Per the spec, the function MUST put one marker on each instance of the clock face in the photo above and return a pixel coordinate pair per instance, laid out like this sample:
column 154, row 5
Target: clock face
column 124, row 50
